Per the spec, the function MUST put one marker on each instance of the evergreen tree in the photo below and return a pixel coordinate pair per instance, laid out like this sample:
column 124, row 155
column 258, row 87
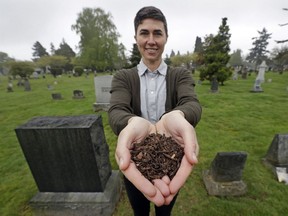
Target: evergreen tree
column 172, row 54
column 38, row 51
column 198, row 45
column 52, row 49
column 135, row 56
column 216, row 55
column 259, row 52
column 65, row 50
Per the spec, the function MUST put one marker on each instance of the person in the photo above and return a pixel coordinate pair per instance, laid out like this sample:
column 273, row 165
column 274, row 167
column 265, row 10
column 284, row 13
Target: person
column 153, row 98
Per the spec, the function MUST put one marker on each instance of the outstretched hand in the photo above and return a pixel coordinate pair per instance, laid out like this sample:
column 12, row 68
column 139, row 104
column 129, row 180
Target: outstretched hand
column 175, row 125
column 137, row 130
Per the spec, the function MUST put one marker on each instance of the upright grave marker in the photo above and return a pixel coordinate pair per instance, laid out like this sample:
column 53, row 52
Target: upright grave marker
column 224, row 176
column 69, row 160
column 102, row 91
column 276, row 157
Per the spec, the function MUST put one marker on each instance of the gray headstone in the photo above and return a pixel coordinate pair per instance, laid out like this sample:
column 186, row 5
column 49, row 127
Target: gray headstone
column 102, row 91
column 27, row 86
column 56, row 96
column 224, row 176
column 78, row 94
column 69, row 159
column 214, row 85
column 228, row 166
column 277, row 154
column 66, row 154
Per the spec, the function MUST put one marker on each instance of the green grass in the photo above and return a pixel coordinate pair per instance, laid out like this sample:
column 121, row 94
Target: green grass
column 233, row 120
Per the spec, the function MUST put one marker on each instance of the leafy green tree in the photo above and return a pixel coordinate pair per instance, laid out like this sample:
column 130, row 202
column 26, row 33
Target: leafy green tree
column 21, row 68
column 259, row 52
column 135, row 56
column 57, row 63
column 4, row 62
column 216, row 55
column 280, row 57
column 38, row 51
column 98, row 39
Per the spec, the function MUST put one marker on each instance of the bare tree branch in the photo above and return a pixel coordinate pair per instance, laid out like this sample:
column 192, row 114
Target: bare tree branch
column 285, row 9
column 281, row 41
column 283, row 24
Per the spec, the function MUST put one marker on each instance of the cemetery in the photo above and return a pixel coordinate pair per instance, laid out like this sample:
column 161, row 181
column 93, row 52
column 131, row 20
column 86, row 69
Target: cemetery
column 243, row 140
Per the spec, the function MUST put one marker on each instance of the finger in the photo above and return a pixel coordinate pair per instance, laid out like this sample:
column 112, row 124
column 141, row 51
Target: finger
column 169, row 199
column 158, row 199
column 166, row 179
column 181, row 176
column 139, row 181
column 162, row 187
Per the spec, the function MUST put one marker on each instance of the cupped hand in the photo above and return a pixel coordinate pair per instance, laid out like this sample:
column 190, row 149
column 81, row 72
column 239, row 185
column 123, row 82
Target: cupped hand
column 175, row 125
column 137, row 130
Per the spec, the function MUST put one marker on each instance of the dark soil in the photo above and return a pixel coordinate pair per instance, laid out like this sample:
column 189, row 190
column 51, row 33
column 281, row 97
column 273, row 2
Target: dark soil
column 157, row 156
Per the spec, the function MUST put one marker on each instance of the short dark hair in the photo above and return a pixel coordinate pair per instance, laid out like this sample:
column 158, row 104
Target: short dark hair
column 149, row 12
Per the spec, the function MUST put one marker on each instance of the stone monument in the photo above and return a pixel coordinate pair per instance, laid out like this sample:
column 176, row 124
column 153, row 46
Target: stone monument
column 69, row 159
column 276, row 157
column 102, row 91
column 261, row 72
column 78, row 94
column 214, row 85
column 224, row 176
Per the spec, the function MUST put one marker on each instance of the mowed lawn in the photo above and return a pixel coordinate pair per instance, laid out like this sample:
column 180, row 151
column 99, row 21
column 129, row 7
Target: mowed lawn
column 234, row 119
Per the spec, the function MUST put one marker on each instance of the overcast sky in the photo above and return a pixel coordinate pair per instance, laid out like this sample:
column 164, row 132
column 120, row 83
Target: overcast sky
column 23, row 22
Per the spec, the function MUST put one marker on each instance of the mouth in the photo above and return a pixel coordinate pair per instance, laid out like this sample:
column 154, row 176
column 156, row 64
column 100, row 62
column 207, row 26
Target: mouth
column 151, row 50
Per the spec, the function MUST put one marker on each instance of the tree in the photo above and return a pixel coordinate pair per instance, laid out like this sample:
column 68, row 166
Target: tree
column 135, row 56
column 21, row 68
column 172, row 54
column 98, row 39
column 280, row 58
column 65, row 50
column 57, row 63
column 198, row 53
column 236, row 58
column 38, row 51
column 259, row 52
column 4, row 60
column 216, row 55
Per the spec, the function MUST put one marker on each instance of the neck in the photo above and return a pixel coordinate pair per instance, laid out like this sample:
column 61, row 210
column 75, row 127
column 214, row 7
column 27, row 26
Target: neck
column 152, row 65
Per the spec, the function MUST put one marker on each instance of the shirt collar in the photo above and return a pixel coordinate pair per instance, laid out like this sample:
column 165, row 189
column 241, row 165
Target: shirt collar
column 142, row 68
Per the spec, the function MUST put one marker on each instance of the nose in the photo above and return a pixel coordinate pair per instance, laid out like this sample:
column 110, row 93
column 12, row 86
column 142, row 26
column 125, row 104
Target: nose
column 151, row 39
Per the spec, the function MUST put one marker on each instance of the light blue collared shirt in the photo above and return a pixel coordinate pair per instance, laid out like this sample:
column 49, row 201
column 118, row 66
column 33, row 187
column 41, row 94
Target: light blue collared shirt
column 152, row 91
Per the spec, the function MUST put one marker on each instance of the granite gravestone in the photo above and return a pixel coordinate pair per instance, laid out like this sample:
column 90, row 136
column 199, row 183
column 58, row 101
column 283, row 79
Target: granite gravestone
column 276, row 157
column 56, row 96
column 224, row 176
column 214, row 85
column 78, row 94
column 257, row 87
column 69, row 160
column 102, row 91
column 261, row 72
column 27, row 86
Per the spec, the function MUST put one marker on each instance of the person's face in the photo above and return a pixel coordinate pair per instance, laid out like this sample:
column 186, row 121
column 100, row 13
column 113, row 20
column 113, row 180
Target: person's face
column 151, row 39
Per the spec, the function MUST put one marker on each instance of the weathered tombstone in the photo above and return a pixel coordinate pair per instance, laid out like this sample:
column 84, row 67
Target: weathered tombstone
column 56, row 96
column 235, row 73
column 257, row 87
column 102, row 91
column 244, row 72
column 69, row 160
column 261, row 72
column 27, row 86
column 276, row 157
column 78, row 94
column 224, row 176
column 214, row 85
column 10, row 86
column 35, row 75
